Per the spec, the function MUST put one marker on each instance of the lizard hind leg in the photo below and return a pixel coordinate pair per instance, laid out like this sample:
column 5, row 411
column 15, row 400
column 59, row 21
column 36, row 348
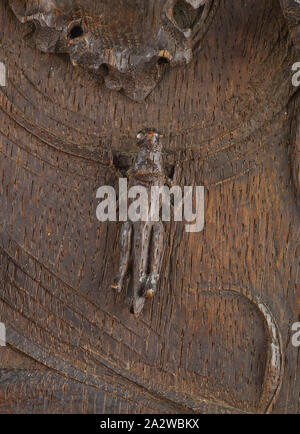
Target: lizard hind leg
column 137, row 305
column 142, row 238
column 126, row 235
column 156, row 252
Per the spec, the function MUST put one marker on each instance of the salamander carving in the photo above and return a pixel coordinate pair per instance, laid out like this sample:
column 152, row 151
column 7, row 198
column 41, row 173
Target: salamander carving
column 142, row 241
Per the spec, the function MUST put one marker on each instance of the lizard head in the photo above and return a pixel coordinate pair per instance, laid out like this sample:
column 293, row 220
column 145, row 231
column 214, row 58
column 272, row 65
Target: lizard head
column 130, row 44
column 148, row 166
column 149, row 139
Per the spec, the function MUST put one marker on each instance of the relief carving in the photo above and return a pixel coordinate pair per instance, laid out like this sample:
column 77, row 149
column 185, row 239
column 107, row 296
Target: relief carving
column 120, row 45
column 142, row 242
column 129, row 45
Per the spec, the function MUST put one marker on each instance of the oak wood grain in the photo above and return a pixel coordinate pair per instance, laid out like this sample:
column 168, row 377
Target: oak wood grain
column 229, row 121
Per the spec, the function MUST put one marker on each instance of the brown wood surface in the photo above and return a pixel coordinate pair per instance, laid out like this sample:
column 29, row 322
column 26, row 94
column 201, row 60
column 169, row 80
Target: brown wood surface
column 230, row 121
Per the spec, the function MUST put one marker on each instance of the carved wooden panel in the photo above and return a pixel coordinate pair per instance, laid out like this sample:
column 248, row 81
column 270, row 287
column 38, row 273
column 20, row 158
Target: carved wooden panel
column 217, row 83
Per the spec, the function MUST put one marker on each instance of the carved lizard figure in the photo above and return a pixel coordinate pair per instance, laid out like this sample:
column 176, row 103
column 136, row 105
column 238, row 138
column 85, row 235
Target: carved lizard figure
column 142, row 241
